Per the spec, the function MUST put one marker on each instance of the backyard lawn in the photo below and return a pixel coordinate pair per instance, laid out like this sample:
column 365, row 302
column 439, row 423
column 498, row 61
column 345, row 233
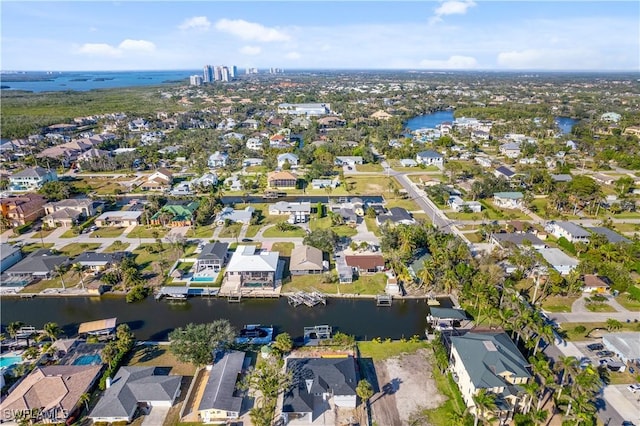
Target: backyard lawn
column 75, row 249
column 107, row 232
column 146, row 255
column 365, row 285
column 372, row 225
column 142, row 231
column 160, row 356
column 71, row 279
column 116, row 246
column 380, row 351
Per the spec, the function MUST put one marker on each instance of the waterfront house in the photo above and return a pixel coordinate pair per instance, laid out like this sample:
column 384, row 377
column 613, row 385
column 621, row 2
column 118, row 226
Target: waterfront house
column 252, row 268
column 207, row 181
column 213, row 256
column 287, row 157
column 558, row 260
column 119, row 218
column 490, row 361
column 39, row 264
column 315, row 382
column 31, row 179
column 306, row 260
column 176, row 213
column 430, row 158
column 22, row 209
column 508, row 200
column 297, row 212
column 395, row 216
column 368, row 263
column 9, row 256
column 160, row 180
column 54, row 392
column 133, row 388
column 568, row 230
column 325, row 183
column 235, row 216
column 282, row 179
column 218, row 159
column 98, row 261
column 220, row 401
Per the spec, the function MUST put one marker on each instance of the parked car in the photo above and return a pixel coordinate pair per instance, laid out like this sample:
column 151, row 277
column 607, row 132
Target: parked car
column 604, row 354
column 634, row 387
column 595, row 347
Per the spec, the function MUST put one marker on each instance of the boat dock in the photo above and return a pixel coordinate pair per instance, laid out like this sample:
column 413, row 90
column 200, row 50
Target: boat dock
column 309, row 299
column 383, row 300
column 183, row 292
column 313, row 335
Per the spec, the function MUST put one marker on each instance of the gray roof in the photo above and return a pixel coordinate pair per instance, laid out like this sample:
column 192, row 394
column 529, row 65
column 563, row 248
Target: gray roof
column 448, row 313
column 7, row 250
column 486, row 355
column 429, row 154
column 218, row 393
column 509, row 195
column 214, row 251
column 31, row 172
column 39, row 262
column 612, row 236
column 132, row 385
column 505, row 171
column 395, row 215
column 557, row 257
column 91, row 257
column 518, row 238
column 318, row 375
column 562, row 178
column 573, row 229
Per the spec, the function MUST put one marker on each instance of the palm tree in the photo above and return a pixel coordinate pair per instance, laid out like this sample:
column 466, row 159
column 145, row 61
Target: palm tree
column 14, row 327
column 78, row 268
column 52, row 330
column 84, row 399
column 484, row 401
column 613, row 324
column 60, row 270
column 569, row 366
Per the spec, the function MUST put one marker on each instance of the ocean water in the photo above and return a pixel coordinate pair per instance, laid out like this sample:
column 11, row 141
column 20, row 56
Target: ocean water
column 89, row 80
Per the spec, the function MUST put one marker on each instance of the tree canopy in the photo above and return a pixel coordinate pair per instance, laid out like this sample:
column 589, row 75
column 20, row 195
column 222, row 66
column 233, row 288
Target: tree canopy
column 195, row 343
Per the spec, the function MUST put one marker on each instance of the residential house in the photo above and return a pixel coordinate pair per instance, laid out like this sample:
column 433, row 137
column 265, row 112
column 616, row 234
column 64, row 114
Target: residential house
column 430, row 158
column 235, row 216
column 98, row 261
column 367, row 263
column 227, row 137
column 330, row 122
column 611, row 236
column 213, row 256
column 506, row 240
column 316, row 381
column 458, row 204
column 181, row 188
column 132, row 388
column 483, row 161
column 298, row 212
column 381, row 115
column 254, row 144
column 207, row 180
column 252, row 268
column 302, row 122
column 306, row 260
column 348, row 161
column 248, row 162
column 68, row 212
column 31, row 179
column 510, row 150
column 612, row 117
column 306, row 109
column 279, row 141
column 119, row 218
column 250, row 123
column 218, row 159
column 504, row 172
column 22, row 209
column 325, row 183
column 160, row 180
column 138, row 125
column 282, row 179
column 508, row 200
column 176, row 213
column 603, row 179
column 39, row 264
column 594, row 284
column 9, row 256
column 220, row 401
column 287, row 157
column 395, row 216
column 490, row 361
column 558, row 260
column 54, row 392
column 561, row 178
column 408, row 162
column 568, row 230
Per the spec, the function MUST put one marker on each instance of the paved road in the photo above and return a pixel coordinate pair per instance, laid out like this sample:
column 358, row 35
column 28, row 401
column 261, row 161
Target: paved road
column 593, row 316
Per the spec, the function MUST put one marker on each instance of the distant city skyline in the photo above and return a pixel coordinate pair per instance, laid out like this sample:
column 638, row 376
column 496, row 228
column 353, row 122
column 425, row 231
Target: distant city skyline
column 430, row 35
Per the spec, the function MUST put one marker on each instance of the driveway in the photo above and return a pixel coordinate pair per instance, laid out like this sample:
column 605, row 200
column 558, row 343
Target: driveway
column 156, row 416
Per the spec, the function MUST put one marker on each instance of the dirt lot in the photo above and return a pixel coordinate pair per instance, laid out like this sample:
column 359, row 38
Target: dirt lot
column 404, row 387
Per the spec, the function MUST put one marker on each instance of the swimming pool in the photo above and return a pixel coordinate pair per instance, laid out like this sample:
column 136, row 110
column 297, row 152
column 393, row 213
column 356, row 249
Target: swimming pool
column 202, row 279
column 9, row 360
column 88, row 360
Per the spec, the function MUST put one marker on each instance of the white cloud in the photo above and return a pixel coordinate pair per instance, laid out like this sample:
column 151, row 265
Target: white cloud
column 200, row 23
column 251, row 50
column 137, row 45
column 559, row 59
column 293, row 55
column 451, row 7
column 98, row 49
column 250, row 30
column 454, row 62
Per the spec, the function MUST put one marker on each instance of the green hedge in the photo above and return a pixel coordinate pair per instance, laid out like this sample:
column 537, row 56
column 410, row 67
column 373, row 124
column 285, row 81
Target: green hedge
column 634, row 292
column 19, row 230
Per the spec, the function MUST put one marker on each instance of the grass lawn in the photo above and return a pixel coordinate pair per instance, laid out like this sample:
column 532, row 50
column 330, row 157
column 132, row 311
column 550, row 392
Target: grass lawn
column 71, row 279
column 74, row 249
column 474, row 237
column 99, row 185
column 370, row 167
column 185, row 267
column 422, row 217
column 274, row 233
column 70, row 233
column 572, row 334
column 599, row 307
column 454, row 404
column 43, row 233
column 365, row 284
column 142, row 231
column 146, row 258
column 625, row 378
column 284, row 248
column 159, row 356
column 200, row 232
column 540, row 206
column 629, row 303
column 558, row 303
column 627, row 215
column 325, row 223
column 31, row 247
column 108, row 232
column 379, row 351
column 372, row 226
column 407, row 204
column 627, row 227
column 116, row 246
column 252, row 230
column 230, row 231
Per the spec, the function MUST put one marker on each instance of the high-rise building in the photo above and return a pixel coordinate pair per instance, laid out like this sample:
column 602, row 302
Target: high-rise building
column 233, row 71
column 217, row 73
column 195, row 80
column 208, row 74
column 225, row 74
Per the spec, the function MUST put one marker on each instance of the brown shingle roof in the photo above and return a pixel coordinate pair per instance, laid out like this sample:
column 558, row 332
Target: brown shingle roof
column 283, row 175
column 366, row 261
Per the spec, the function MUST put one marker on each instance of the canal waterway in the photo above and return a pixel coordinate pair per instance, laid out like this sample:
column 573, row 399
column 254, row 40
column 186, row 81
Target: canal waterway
column 565, row 124
column 153, row 320
column 429, row 121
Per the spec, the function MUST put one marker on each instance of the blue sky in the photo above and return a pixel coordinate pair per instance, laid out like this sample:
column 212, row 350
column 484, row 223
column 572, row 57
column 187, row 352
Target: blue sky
column 449, row 34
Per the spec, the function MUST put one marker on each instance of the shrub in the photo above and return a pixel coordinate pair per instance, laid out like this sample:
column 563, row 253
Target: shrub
column 580, row 329
column 19, row 230
column 634, row 292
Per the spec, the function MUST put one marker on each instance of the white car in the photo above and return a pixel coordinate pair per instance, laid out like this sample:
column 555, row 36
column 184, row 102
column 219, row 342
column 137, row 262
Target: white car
column 634, row 388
